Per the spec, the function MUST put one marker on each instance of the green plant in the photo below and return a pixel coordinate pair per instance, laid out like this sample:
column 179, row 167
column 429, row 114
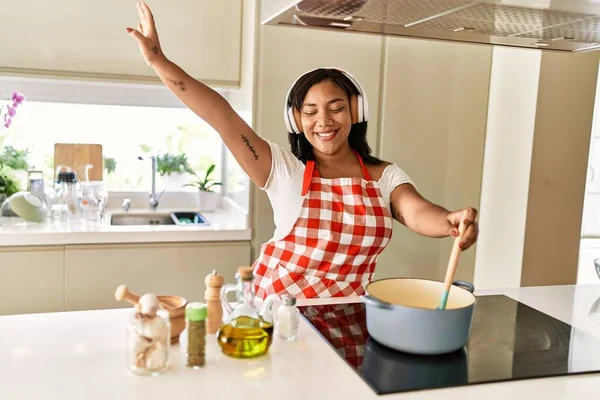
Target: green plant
column 170, row 163
column 8, row 185
column 15, row 159
column 110, row 164
column 206, row 184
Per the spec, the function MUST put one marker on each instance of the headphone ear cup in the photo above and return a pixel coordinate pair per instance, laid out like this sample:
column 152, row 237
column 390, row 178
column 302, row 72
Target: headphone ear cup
column 297, row 120
column 354, row 109
column 364, row 107
column 286, row 119
column 359, row 106
column 290, row 119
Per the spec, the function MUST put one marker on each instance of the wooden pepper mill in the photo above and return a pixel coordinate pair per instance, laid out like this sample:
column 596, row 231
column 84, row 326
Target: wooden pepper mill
column 212, row 296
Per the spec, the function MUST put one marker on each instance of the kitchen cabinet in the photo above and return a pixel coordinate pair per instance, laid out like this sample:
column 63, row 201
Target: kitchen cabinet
column 31, row 279
column 87, row 40
column 93, row 272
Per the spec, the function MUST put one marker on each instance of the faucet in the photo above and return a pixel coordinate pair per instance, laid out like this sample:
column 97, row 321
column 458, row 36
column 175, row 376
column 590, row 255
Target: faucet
column 153, row 199
column 126, row 204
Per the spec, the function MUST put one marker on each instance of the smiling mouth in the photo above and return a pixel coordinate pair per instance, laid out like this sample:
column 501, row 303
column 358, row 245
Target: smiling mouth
column 326, row 136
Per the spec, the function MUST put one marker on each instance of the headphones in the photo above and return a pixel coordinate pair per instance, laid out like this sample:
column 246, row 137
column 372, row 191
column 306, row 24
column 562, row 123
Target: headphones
column 359, row 110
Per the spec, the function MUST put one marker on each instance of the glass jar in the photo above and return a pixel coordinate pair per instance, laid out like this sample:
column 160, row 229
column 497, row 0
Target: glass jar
column 195, row 316
column 148, row 342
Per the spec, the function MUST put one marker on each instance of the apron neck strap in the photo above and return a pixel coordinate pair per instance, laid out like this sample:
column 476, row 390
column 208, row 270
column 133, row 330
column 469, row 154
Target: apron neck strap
column 365, row 171
column 308, row 173
column 310, row 169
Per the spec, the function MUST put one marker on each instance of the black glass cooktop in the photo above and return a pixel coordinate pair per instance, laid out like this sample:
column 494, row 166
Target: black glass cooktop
column 509, row 341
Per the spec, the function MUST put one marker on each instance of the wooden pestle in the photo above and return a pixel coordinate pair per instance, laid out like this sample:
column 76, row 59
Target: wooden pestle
column 212, row 296
column 123, row 293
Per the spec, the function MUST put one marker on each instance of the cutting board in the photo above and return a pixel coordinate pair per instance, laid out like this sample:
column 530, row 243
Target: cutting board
column 77, row 156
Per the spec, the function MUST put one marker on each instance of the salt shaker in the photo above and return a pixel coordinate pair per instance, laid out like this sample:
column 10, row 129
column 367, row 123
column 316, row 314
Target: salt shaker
column 287, row 319
column 212, row 296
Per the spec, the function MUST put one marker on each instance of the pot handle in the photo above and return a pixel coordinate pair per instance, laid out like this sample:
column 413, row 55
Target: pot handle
column 375, row 302
column 465, row 285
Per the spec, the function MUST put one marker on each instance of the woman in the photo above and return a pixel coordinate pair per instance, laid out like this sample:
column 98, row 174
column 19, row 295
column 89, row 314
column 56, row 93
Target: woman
column 333, row 202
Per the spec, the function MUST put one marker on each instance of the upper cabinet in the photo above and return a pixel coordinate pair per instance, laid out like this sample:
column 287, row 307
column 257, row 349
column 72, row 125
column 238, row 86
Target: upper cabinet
column 88, row 40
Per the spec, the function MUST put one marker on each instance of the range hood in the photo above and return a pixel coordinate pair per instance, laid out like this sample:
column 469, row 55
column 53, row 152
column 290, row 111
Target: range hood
column 563, row 25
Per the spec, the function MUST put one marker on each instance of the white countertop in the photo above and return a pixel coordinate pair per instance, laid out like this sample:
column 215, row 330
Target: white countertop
column 224, row 225
column 81, row 355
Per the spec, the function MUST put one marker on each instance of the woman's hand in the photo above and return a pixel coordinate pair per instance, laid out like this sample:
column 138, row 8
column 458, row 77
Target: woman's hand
column 146, row 35
column 472, row 230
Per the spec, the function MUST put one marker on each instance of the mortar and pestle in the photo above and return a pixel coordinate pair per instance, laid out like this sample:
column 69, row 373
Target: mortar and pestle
column 174, row 305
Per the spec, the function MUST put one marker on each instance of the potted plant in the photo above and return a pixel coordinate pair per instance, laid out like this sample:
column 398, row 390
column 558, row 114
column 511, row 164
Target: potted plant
column 16, row 161
column 173, row 169
column 8, row 187
column 207, row 199
column 110, row 165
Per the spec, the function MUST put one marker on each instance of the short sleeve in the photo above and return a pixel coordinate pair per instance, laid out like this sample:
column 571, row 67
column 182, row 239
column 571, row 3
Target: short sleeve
column 284, row 189
column 284, row 165
column 392, row 177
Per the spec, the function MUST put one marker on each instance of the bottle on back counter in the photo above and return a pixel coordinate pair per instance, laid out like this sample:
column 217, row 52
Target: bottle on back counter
column 287, row 320
column 245, row 333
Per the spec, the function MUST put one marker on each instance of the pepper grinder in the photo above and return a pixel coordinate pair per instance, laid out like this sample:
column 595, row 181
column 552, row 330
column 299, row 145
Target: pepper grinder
column 212, row 296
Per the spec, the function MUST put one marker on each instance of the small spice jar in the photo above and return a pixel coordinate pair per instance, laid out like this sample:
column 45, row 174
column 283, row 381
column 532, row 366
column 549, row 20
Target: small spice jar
column 288, row 317
column 148, row 337
column 195, row 317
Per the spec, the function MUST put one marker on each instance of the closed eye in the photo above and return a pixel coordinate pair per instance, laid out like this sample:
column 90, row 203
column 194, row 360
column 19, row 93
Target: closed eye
column 314, row 112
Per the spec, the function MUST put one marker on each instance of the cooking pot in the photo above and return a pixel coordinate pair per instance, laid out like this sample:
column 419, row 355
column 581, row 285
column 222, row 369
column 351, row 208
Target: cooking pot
column 402, row 314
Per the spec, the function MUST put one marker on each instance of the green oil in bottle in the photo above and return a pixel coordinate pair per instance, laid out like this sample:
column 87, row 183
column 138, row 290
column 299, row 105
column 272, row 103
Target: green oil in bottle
column 245, row 337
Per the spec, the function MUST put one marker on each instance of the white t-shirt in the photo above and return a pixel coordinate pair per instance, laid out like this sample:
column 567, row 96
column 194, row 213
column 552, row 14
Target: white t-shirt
column 284, row 187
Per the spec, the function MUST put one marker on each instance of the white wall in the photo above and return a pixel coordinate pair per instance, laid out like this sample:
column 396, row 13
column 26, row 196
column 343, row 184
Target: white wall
column 507, row 161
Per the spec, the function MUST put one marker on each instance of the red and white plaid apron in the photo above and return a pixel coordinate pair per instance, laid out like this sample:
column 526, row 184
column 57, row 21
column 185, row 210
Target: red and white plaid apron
column 344, row 326
column 333, row 247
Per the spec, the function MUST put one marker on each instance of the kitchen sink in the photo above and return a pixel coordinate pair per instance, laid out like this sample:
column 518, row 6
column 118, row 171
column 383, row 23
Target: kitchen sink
column 174, row 218
column 141, row 219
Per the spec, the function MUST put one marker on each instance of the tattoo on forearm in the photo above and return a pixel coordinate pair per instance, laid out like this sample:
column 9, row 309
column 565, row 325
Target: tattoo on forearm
column 155, row 49
column 179, row 84
column 250, row 147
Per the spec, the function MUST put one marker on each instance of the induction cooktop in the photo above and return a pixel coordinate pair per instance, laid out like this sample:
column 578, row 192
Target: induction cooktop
column 509, row 341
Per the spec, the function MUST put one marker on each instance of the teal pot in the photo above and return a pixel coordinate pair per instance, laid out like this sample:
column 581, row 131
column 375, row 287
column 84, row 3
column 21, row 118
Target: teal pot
column 402, row 314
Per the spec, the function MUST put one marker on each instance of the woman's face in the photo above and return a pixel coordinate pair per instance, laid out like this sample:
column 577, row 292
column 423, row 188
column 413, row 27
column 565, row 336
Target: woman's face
column 326, row 119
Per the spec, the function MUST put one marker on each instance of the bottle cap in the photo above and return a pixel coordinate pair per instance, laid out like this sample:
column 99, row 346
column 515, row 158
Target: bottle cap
column 67, row 177
column 195, row 312
column 245, row 272
column 288, row 300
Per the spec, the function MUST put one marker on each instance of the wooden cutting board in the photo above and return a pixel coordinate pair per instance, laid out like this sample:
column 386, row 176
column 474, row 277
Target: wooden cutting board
column 77, row 156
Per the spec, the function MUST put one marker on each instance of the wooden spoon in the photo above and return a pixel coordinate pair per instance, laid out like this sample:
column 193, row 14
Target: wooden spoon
column 452, row 263
column 123, row 293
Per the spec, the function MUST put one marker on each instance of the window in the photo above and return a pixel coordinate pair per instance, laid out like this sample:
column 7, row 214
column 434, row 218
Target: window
column 125, row 133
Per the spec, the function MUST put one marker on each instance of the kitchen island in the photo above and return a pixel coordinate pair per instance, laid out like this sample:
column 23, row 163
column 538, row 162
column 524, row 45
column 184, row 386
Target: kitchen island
column 75, row 355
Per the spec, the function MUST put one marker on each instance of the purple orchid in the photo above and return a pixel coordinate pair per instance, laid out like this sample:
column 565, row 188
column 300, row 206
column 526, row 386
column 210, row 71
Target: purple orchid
column 17, row 98
column 7, row 121
column 11, row 109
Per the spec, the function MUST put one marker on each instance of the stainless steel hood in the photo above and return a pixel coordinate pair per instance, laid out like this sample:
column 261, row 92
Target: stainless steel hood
column 564, row 25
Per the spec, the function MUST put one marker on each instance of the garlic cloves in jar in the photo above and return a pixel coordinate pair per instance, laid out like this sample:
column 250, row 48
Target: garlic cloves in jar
column 148, row 337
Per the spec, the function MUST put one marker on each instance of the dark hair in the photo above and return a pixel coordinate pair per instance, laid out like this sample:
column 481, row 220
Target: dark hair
column 357, row 138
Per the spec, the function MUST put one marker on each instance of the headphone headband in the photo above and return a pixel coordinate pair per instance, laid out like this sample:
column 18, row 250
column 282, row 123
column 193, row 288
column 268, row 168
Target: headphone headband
column 360, row 106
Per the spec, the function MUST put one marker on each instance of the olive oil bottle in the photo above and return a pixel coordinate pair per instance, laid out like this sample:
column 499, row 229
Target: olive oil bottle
column 245, row 333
